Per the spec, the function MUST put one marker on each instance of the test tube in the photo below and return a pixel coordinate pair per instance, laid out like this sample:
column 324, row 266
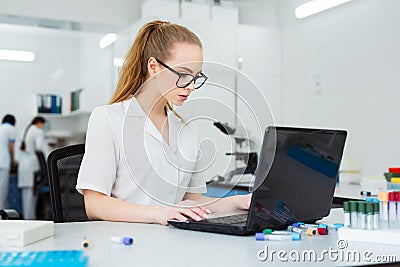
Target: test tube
column 272, row 232
column 292, row 236
column 376, row 215
column 346, row 210
column 392, row 209
column 353, row 214
column 397, row 223
column 362, row 215
column 370, row 215
column 122, row 240
column 384, row 209
column 295, row 229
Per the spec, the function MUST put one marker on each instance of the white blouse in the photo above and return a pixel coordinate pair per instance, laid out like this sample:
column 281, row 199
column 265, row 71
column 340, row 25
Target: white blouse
column 127, row 158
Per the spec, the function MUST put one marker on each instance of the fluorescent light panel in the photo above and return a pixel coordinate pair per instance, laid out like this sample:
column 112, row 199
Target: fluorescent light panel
column 316, row 6
column 16, row 55
column 107, row 40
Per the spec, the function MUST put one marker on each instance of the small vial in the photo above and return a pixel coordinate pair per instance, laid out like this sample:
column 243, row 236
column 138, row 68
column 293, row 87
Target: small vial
column 86, row 243
column 292, row 236
column 311, row 231
column 272, row 232
column 122, row 240
column 392, row 209
column 376, row 215
column 383, row 198
column 346, row 210
column 370, row 215
column 362, row 215
column 353, row 214
column 295, row 229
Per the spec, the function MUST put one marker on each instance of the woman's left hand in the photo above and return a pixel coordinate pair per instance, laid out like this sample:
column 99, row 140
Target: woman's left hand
column 242, row 202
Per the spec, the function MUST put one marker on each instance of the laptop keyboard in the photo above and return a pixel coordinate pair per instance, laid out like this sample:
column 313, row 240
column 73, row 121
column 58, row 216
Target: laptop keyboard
column 233, row 219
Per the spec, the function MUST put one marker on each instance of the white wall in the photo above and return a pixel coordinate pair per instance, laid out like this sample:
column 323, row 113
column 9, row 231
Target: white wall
column 224, row 41
column 353, row 52
column 64, row 62
column 54, row 70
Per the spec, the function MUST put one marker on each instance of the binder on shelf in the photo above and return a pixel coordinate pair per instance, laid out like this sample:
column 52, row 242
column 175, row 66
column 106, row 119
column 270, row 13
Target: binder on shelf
column 75, row 105
column 48, row 103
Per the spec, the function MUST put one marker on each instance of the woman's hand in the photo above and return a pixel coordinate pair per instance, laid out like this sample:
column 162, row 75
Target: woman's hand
column 182, row 211
column 242, row 202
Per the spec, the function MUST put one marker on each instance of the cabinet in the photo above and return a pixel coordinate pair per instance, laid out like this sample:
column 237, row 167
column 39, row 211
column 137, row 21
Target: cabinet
column 63, row 130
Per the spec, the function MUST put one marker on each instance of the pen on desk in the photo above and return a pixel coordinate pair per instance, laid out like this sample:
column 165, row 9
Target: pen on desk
column 292, row 236
column 122, row 240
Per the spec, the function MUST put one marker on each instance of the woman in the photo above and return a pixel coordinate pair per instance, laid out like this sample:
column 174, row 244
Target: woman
column 132, row 169
column 32, row 140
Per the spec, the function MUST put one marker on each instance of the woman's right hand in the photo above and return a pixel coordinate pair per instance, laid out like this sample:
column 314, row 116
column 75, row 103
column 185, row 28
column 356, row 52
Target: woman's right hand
column 194, row 212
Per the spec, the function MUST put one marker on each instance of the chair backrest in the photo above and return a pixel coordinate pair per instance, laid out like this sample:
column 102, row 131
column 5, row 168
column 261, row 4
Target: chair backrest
column 63, row 167
column 41, row 176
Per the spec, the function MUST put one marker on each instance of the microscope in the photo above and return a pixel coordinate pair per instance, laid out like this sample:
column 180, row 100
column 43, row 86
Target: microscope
column 246, row 158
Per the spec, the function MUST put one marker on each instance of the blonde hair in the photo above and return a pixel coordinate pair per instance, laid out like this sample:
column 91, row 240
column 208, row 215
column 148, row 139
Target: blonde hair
column 155, row 39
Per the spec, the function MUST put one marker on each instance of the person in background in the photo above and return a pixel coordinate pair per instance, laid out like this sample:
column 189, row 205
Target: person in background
column 32, row 140
column 7, row 140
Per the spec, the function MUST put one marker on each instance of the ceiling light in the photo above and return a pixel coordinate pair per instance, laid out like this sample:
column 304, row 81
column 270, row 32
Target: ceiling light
column 118, row 61
column 17, row 55
column 107, row 40
column 317, row 6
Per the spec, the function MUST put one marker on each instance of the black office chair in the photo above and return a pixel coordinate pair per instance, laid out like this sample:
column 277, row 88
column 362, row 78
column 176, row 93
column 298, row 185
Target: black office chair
column 9, row 214
column 41, row 188
column 63, row 167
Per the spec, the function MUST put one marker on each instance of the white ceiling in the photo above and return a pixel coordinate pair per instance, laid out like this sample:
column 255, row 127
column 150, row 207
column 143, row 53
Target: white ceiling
column 96, row 15
column 85, row 15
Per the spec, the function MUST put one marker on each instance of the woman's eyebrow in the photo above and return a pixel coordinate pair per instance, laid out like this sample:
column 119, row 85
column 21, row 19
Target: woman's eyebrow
column 189, row 70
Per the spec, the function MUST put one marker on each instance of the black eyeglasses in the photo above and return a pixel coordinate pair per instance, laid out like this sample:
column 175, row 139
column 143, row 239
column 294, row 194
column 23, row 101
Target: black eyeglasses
column 185, row 79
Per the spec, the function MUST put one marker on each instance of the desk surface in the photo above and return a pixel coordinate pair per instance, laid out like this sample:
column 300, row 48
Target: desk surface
column 167, row 246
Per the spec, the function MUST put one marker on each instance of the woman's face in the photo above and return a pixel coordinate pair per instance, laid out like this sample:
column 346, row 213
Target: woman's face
column 187, row 59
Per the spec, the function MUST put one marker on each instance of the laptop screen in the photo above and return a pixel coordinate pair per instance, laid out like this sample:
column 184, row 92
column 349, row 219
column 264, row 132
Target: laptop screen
column 296, row 176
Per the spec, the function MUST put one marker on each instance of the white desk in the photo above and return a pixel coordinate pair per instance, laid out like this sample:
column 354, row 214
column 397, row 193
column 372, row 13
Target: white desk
column 157, row 245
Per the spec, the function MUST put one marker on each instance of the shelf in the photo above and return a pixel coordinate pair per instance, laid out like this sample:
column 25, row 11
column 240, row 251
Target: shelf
column 75, row 113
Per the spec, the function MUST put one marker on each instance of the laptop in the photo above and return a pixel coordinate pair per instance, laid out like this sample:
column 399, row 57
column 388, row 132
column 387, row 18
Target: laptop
column 294, row 181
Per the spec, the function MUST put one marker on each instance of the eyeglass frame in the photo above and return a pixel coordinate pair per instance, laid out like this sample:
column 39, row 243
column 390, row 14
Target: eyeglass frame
column 180, row 74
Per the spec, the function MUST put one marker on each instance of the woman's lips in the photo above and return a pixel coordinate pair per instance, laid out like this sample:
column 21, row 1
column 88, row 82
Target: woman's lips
column 183, row 97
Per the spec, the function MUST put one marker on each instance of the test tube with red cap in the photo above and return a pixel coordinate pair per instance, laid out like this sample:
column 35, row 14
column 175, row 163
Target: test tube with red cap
column 392, row 197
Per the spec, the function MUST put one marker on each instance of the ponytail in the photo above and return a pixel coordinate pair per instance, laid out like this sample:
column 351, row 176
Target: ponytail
column 34, row 121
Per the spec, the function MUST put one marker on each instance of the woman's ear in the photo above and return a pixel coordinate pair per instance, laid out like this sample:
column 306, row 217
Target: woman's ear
column 152, row 66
